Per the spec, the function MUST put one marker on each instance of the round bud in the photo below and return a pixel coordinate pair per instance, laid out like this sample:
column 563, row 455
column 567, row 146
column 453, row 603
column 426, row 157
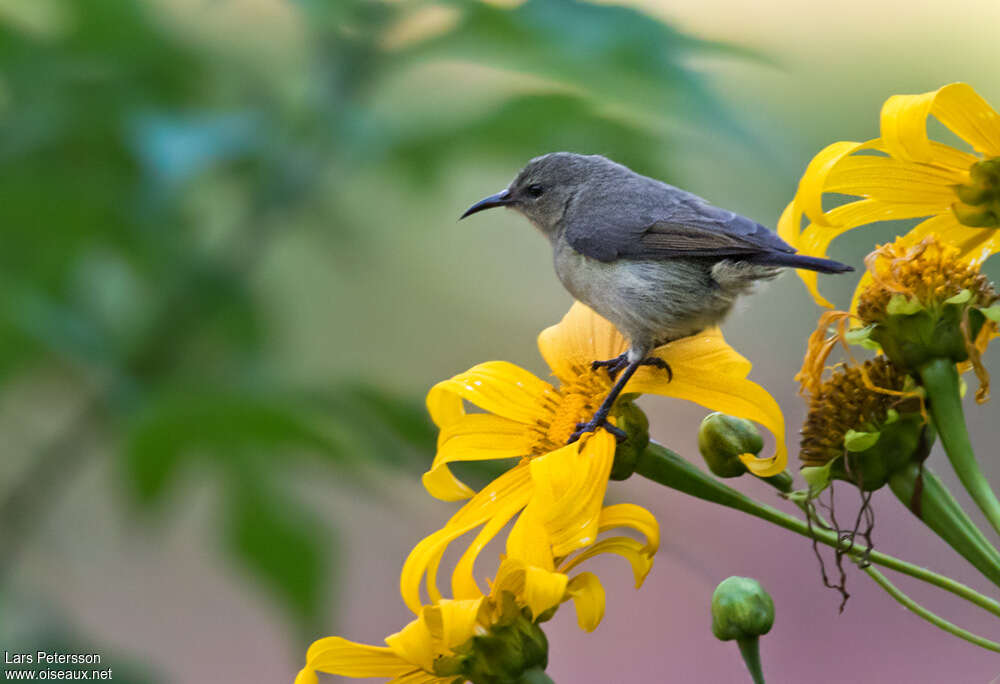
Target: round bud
column 741, row 609
column 723, row 439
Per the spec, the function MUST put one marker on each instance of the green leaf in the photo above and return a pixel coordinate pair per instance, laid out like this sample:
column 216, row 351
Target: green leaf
column 284, row 547
column 628, row 57
column 185, row 426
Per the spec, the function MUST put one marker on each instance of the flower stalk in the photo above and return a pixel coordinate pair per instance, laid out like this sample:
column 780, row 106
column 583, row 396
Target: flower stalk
column 535, row 676
column 939, row 378
column 663, row 466
column 941, row 513
column 750, row 650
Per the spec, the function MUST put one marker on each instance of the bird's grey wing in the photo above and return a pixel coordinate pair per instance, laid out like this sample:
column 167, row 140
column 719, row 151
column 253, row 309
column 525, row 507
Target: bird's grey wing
column 682, row 226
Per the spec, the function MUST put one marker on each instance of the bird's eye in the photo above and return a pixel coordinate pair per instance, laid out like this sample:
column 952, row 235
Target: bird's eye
column 535, row 190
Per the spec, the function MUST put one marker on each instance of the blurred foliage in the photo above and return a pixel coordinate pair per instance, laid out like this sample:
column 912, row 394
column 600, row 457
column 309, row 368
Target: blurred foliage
column 145, row 173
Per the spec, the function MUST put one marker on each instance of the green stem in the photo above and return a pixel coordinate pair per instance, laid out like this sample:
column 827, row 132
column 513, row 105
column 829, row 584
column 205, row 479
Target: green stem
column 940, row 378
column 912, row 605
column 535, row 675
column 661, row 465
column 940, row 512
column 750, row 650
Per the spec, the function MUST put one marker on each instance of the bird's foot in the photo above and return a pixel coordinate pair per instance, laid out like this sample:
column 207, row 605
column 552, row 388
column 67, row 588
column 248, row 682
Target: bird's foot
column 593, row 425
column 658, row 363
column 614, row 365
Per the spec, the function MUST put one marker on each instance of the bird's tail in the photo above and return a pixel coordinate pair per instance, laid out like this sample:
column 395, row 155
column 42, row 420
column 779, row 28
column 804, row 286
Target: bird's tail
column 802, row 261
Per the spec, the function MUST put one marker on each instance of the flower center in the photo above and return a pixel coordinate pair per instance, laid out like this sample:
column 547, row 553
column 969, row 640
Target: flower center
column 979, row 200
column 930, row 272
column 573, row 403
column 845, row 402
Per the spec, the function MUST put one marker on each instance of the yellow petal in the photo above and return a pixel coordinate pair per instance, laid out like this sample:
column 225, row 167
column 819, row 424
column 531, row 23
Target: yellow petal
column 580, row 338
column 510, row 489
column 569, row 487
column 529, row 542
column 588, row 596
column 813, row 183
column 895, row 181
column 458, row 620
column 543, row 589
column 420, row 677
column 815, row 239
column 630, row 549
column 496, row 387
column 510, row 577
column 338, row 656
column 957, row 106
column 633, row 517
column 415, row 644
column 707, row 371
column 790, row 224
column 463, row 581
column 474, row 437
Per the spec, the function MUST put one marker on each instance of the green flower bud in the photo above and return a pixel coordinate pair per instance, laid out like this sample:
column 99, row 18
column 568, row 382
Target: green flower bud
column 514, row 645
column 633, row 421
column 721, row 441
column 741, row 609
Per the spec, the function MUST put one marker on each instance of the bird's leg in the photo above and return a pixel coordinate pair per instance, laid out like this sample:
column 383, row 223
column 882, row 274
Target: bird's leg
column 601, row 417
column 614, row 365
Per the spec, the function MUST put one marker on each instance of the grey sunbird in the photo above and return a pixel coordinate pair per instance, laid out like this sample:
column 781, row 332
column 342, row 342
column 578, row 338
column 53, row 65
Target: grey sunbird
column 658, row 262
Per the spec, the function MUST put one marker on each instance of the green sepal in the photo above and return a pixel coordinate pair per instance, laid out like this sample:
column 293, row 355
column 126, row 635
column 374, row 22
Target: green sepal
column 901, row 305
column 860, row 441
column 961, row 298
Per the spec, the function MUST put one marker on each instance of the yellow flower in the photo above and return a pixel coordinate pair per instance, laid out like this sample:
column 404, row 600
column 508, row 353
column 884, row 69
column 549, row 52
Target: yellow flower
column 410, row 653
column 903, row 175
column 528, row 418
column 442, row 643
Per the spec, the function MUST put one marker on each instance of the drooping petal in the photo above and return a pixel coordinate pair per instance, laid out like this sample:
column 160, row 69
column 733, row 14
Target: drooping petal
column 957, row 106
column 420, row 677
column 463, row 581
column 543, row 589
column 472, row 437
column 579, row 339
column 529, row 541
column 569, row 487
column 415, row 644
column 338, row 656
column 630, row 549
column 814, row 180
column 588, row 596
column 815, row 239
column 707, row 371
column 632, row 517
column 511, row 489
column 458, row 621
column 538, row 588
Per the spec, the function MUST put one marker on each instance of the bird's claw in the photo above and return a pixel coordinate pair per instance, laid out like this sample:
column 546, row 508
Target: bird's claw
column 614, row 365
column 657, row 362
column 593, row 425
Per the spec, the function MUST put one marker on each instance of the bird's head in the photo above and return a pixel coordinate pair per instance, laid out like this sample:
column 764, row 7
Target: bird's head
column 543, row 189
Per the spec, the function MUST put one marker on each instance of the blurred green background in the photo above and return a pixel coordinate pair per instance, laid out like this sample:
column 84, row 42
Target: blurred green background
column 230, row 268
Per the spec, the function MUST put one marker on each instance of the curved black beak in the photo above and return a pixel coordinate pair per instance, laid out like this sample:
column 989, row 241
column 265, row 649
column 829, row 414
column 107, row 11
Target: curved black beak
column 500, row 199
